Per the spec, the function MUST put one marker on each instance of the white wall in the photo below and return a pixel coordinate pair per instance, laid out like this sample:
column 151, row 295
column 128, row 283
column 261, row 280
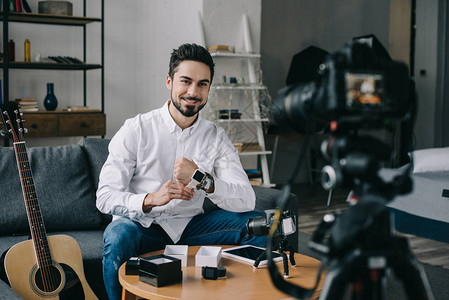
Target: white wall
column 138, row 44
column 223, row 22
column 426, row 60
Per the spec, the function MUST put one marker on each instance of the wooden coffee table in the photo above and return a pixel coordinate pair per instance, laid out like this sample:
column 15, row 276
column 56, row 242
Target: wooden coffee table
column 242, row 281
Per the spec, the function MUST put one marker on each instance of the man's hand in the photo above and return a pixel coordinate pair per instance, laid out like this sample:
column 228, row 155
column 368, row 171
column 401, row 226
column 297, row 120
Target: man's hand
column 172, row 189
column 184, row 169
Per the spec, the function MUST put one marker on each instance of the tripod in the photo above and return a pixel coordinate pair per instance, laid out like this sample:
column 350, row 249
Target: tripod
column 282, row 247
column 362, row 262
column 360, row 246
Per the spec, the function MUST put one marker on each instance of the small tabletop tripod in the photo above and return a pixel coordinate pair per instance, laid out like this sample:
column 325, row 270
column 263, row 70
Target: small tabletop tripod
column 282, row 247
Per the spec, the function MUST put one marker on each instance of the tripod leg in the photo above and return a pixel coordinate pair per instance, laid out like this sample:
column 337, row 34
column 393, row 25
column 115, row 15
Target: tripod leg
column 292, row 256
column 285, row 261
column 410, row 272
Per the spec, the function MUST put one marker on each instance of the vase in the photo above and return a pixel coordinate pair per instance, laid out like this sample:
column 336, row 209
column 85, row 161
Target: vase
column 50, row 101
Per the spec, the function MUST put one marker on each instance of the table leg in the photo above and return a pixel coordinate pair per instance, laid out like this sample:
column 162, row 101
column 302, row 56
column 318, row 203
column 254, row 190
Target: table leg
column 127, row 295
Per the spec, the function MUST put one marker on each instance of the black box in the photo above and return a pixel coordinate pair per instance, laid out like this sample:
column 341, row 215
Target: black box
column 132, row 266
column 160, row 270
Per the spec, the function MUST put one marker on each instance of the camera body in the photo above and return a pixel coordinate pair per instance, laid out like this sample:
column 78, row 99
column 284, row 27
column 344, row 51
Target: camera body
column 260, row 226
column 354, row 87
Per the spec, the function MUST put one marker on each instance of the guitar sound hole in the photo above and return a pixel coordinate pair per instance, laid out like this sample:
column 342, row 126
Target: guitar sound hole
column 52, row 279
column 60, row 280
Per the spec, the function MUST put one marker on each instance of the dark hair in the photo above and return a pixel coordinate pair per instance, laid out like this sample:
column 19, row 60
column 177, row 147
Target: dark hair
column 190, row 52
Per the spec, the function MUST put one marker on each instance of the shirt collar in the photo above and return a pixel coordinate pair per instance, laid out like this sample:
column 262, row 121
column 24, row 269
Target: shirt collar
column 171, row 124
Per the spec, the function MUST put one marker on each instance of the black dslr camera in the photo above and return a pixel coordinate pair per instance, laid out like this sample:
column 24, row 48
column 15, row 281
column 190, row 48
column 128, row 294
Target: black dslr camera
column 261, row 226
column 354, row 87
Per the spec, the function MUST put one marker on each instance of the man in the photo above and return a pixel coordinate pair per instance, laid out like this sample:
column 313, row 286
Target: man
column 160, row 167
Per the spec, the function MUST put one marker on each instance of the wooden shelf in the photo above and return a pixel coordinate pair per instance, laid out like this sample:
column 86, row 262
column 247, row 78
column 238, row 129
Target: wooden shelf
column 57, row 123
column 239, row 87
column 52, row 112
column 234, row 55
column 50, row 66
column 242, row 120
column 48, row 19
column 254, row 153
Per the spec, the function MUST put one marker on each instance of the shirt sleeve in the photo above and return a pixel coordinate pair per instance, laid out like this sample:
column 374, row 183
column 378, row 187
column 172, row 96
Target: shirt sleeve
column 113, row 196
column 232, row 192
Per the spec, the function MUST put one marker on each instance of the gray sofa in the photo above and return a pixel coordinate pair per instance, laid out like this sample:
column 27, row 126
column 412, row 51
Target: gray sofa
column 66, row 178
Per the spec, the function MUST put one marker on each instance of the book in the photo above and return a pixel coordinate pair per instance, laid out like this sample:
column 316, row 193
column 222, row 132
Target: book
column 27, row 104
column 253, row 173
column 218, row 48
column 255, row 181
column 25, row 100
column 25, row 6
column 29, row 109
column 251, row 147
column 81, row 108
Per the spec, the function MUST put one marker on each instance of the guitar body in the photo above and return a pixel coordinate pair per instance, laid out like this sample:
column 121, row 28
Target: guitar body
column 24, row 274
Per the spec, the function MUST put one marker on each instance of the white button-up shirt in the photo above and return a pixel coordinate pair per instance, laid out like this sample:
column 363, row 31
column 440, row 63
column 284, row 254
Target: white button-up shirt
column 141, row 159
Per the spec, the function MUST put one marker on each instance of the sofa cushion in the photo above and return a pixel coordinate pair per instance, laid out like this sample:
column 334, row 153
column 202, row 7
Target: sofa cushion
column 97, row 152
column 63, row 186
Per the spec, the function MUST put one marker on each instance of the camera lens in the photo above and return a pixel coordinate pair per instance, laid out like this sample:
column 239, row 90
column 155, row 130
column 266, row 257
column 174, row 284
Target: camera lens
column 292, row 109
column 257, row 226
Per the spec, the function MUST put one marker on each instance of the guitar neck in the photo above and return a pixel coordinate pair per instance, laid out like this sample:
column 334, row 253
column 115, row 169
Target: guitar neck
column 35, row 219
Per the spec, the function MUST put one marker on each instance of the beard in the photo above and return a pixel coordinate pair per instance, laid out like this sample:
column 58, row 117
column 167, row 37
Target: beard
column 188, row 111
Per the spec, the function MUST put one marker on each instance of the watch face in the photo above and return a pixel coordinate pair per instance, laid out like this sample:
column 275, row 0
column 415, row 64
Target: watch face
column 198, row 176
column 210, row 273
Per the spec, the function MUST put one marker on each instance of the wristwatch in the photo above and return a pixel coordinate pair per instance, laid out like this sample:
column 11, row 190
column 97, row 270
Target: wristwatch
column 212, row 272
column 207, row 183
column 197, row 177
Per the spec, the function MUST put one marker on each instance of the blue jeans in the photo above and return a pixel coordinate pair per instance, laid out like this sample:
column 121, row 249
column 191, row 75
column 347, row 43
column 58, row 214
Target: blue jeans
column 124, row 238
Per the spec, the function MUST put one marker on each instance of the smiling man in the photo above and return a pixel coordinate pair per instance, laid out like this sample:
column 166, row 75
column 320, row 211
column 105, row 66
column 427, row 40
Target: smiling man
column 162, row 165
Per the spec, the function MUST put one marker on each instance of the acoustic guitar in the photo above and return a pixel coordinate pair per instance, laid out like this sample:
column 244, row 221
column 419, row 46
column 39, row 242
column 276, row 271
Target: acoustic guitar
column 45, row 267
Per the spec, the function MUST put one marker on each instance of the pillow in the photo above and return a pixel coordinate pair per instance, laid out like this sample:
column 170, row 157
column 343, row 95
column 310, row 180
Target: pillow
column 97, row 152
column 431, row 160
column 63, row 186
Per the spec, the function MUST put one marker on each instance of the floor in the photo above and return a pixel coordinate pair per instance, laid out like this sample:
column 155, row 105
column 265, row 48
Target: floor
column 312, row 207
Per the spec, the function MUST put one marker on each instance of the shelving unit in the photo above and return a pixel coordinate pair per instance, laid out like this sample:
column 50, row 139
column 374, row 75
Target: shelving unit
column 82, row 124
column 250, row 99
column 249, row 96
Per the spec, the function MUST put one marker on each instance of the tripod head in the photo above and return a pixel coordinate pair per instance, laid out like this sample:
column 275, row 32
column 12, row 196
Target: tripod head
column 355, row 162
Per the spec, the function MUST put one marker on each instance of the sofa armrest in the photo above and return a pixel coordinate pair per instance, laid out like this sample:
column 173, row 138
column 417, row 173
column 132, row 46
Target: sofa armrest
column 267, row 198
column 6, row 292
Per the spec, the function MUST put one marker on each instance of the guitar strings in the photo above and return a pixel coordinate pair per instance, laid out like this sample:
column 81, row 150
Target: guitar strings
column 36, row 223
